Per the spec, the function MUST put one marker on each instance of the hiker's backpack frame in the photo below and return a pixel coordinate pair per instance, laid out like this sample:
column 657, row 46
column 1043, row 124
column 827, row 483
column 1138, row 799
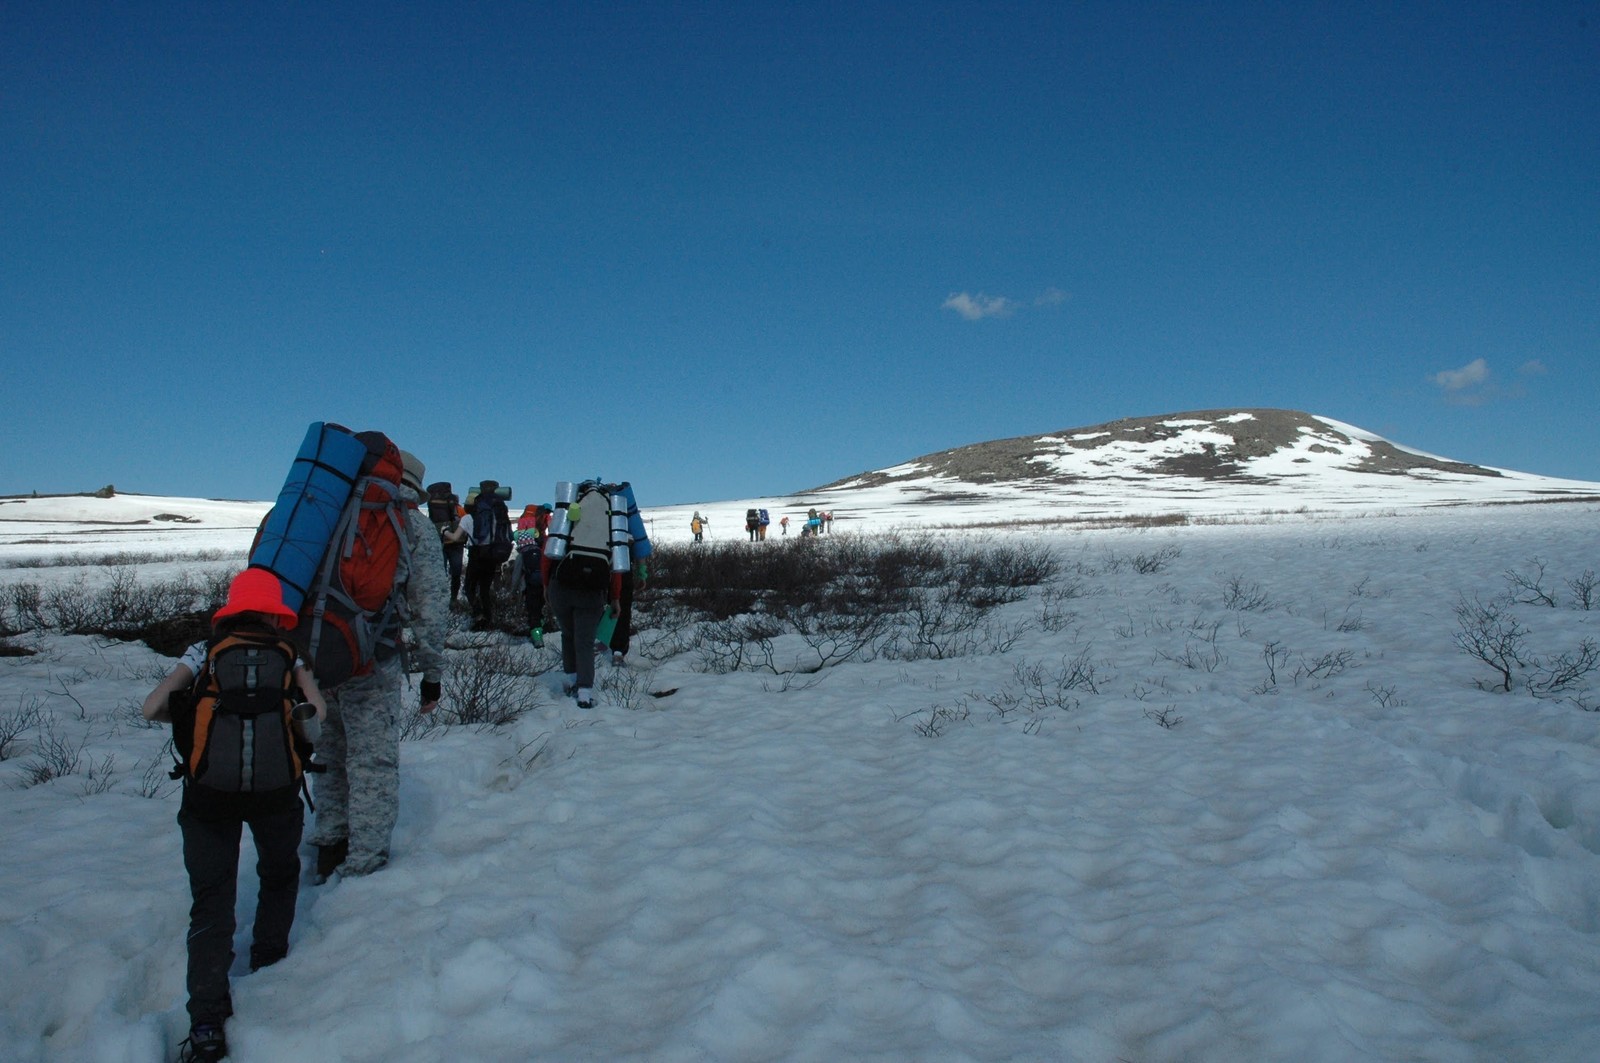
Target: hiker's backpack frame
column 353, row 616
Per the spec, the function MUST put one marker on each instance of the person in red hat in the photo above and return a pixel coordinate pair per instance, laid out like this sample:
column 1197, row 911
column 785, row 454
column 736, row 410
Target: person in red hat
column 248, row 653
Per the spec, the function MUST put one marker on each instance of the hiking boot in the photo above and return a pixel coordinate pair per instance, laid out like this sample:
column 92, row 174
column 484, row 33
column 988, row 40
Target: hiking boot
column 263, row 956
column 205, row 1044
column 569, row 685
column 616, row 659
column 329, row 857
column 357, row 866
column 585, row 698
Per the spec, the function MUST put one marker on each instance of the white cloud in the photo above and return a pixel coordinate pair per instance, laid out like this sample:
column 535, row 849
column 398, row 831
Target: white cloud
column 977, row 307
column 1470, row 375
column 1051, row 297
column 1533, row 368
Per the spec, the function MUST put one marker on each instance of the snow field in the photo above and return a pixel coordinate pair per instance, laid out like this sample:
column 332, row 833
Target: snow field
column 1375, row 861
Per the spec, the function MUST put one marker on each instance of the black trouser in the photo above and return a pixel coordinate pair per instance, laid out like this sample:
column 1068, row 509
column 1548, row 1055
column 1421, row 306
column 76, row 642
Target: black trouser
column 481, row 567
column 532, row 589
column 453, row 564
column 211, row 822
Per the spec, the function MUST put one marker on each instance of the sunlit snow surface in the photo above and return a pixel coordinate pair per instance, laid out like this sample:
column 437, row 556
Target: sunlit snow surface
column 1379, row 862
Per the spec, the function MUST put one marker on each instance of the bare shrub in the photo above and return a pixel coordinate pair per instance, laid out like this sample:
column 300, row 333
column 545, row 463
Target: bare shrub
column 628, row 687
column 1201, row 657
column 835, row 637
column 1351, row 620
column 100, row 775
column 1564, row 672
column 1323, row 666
column 1006, row 565
column 1583, row 589
column 1053, row 614
column 492, row 685
column 1167, row 717
column 72, row 607
column 1528, row 587
column 1275, row 656
column 1490, row 633
column 940, row 718
column 1145, row 564
column 1050, row 688
column 15, row 723
column 24, row 605
column 940, row 624
column 55, row 756
column 155, row 775
column 1244, row 596
column 738, row 643
column 1384, row 697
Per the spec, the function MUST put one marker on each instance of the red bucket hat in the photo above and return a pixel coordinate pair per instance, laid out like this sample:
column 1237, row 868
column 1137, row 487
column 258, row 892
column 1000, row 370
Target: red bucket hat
column 255, row 590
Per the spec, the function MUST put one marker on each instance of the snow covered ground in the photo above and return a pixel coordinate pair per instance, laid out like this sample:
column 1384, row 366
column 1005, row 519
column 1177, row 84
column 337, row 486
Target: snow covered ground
column 1368, row 857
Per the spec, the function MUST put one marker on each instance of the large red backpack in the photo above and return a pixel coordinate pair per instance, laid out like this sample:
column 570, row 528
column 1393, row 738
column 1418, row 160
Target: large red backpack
column 351, row 617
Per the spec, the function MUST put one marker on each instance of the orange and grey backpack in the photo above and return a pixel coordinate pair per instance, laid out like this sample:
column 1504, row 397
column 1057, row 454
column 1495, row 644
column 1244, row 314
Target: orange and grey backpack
column 234, row 733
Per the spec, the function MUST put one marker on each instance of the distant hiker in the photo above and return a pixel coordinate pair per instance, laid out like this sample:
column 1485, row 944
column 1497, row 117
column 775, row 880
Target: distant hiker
column 639, row 549
column 358, row 796
column 444, row 510
column 586, row 555
column 529, row 541
column 488, row 528
column 697, row 525
column 236, row 692
column 762, row 520
column 783, row 522
column 752, row 523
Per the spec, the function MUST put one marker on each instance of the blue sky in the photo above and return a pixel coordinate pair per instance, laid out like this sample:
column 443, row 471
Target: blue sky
column 729, row 249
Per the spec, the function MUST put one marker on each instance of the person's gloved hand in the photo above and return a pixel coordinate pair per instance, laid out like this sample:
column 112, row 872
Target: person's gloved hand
column 641, row 573
column 430, row 695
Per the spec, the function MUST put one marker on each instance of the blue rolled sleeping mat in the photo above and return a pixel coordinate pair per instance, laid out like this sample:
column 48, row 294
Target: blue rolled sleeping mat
column 297, row 530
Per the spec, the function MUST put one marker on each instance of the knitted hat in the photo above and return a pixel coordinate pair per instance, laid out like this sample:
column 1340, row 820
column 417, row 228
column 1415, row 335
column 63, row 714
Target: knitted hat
column 255, row 590
column 412, row 476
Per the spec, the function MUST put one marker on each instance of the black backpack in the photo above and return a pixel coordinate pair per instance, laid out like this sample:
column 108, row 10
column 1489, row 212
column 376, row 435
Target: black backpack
column 231, row 729
column 491, row 528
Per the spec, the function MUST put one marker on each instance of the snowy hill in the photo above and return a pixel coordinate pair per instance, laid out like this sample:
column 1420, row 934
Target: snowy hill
column 1211, row 465
column 1214, row 464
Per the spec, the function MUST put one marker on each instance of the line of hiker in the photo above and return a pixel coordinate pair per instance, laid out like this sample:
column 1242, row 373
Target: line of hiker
column 299, row 689
column 524, row 551
column 757, row 520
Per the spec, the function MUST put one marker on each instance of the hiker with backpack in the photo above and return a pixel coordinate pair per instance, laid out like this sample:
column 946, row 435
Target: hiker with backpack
column 232, row 701
column 488, row 528
column 444, row 510
column 529, row 541
column 585, row 556
column 358, row 796
column 639, row 548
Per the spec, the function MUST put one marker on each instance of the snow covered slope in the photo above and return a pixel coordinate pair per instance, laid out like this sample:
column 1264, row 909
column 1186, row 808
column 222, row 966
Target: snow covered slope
column 1207, row 465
